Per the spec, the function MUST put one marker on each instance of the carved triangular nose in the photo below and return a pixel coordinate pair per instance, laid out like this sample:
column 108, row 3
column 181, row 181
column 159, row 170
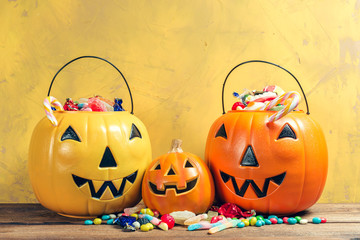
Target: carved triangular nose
column 108, row 159
column 249, row 159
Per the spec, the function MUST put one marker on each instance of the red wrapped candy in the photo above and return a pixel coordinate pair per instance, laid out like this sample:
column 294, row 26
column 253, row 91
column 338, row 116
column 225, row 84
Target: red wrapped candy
column 231, row 210
column 70, row 105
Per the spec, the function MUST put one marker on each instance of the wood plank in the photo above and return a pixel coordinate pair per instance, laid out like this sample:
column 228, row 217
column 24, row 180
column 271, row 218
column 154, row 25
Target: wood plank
column 32, row 221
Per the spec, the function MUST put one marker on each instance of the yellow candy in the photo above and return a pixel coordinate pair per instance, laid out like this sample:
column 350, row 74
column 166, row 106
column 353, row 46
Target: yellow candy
column 148, row 211
column 253, row 221
column 97, row 221
column 246, row 222
column 146, row 227
column 151, row 226
column 134, row 215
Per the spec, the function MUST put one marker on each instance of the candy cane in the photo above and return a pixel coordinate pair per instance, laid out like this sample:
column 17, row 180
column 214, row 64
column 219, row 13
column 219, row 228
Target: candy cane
column 48, row 103
column 288, row 107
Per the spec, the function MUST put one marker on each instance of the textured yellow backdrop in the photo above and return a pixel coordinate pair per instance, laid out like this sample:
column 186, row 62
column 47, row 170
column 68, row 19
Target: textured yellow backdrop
column 175, row 55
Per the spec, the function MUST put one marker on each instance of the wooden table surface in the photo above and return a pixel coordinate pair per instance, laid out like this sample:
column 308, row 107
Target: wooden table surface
column 32, row 221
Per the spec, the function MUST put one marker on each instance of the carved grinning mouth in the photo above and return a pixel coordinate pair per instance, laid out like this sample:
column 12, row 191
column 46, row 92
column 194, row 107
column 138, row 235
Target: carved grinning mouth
column 79, row 181
column 189, row 185
column 278, row 179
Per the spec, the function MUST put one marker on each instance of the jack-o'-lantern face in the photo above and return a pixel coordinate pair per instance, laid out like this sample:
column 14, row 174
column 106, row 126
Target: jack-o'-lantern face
column 178, row 181
column 92, row 163
column 277, row 168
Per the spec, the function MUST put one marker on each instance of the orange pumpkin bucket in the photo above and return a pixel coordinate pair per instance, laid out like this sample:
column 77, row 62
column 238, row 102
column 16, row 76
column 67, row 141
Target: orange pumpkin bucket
column 178, row 181
column 274, row 164
column 85, row 164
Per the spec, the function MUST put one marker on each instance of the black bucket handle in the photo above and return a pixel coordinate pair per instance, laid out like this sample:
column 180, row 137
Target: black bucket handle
column 261, row 61
column 127, row 85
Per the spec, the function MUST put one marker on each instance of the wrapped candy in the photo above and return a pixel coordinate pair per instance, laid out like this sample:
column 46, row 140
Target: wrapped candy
column 117, row 105
column 231, row 210
column 70, row 105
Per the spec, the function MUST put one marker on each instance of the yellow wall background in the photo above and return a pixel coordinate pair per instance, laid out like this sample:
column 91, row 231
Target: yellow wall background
column 175, row 56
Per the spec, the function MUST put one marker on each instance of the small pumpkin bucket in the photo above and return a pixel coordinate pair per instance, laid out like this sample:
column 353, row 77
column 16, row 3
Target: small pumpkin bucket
column 274, row 164
column 89, row 163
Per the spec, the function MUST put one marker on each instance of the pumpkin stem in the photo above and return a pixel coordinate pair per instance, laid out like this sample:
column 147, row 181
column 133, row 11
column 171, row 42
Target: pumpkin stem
column 176, row 146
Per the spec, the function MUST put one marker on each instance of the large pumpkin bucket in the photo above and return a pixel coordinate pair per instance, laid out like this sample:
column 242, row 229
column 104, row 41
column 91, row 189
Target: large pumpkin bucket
column 85, row 164
column 263, row 160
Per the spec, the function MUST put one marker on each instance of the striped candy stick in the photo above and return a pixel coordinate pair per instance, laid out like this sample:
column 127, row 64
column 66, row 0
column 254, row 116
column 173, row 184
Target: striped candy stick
column 288, row 107
column 48, row 103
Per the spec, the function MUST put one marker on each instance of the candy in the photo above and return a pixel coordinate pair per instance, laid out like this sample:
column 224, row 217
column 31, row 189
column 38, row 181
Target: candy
column 134, row 215
column 145, row 227
column 88, row 222
column 223, row 226
column 258, row 223
column 181, row 216
column 96, row 105
column 211, row 214
column 129, row 228
column 110, row 222
column 147, row 211
column 105, row 217
column 291, row 221
column 246, row 222
column 117, row 105
column 169, row 220
column 280, row 221
column 48, row 103
column 97, row 221
column 232, row 210
column 267, row 222
column 323, row 220
column 273, row 220
column 288, row 108
column 275, row 89
column 156, row 213
column 143, row 221
column 70, row 105
column 238, row 106
column 241, row 225
column 253, row 221
column 216, row 219
column 112, row 216
column 155, row 221
column 195, row 219
column 316, row 220
column 134, row 209
column 285, row 219
column 205, row 225
column 303, row 221
column 136, row 225
column 123, row 220
column 298, row 218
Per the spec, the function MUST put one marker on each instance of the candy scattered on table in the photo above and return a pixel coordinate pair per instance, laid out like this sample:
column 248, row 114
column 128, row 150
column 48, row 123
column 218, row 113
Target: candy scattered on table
column 142, row 220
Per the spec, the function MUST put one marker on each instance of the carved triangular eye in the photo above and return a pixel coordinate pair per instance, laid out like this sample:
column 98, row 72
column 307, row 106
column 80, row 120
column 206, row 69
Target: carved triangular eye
column 70, row 134
column 188, row 164
column 134, row 132
column 287, row 132
column 157, row 167
column 221, row 132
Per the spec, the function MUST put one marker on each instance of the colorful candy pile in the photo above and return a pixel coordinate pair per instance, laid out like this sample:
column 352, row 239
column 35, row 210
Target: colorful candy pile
column 215, row 220
column 93, row 104
column 271, row 98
